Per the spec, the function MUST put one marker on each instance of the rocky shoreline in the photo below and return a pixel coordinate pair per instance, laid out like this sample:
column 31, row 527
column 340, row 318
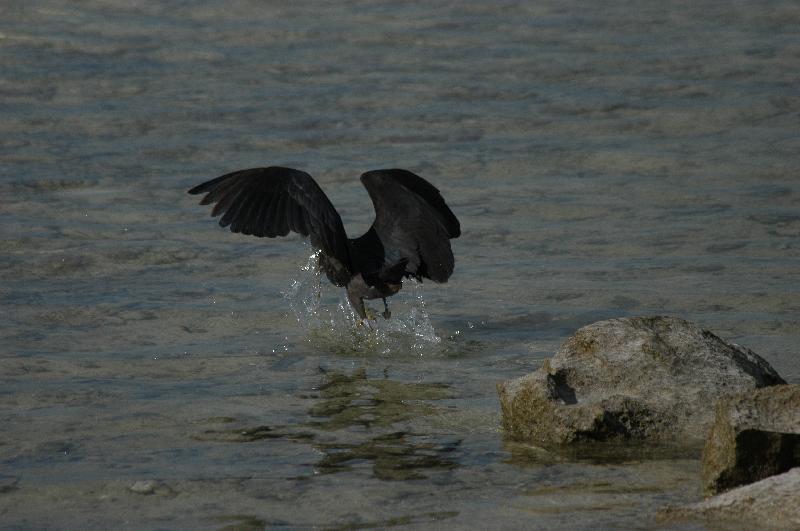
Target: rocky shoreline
column 665, row 380
column 772, row 503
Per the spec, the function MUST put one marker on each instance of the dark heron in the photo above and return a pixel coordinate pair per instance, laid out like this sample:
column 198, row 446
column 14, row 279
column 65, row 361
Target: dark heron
column 410, row 236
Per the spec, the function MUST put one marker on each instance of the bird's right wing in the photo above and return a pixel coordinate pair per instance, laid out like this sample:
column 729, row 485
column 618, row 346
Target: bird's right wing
column 273, row 201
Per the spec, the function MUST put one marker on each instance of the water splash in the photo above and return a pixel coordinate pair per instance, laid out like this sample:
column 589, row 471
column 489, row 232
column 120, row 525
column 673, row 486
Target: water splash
column 332, row 324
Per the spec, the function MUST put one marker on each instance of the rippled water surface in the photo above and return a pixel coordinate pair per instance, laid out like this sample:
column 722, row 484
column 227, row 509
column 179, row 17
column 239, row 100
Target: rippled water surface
column 624, row 158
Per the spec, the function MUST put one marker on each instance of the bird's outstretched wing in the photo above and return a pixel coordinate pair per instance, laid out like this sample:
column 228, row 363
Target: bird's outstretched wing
column 413, row 222
column 273, row 201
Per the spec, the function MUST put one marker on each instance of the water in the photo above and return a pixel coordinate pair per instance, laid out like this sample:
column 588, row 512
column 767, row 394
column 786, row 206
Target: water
column 628, row 158
column 336, row 326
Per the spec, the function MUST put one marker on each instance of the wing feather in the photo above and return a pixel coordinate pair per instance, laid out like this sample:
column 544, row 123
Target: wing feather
column 413, row 222
column 241, row 223
column 271, row 201
column 280, row 216
column 296, row 220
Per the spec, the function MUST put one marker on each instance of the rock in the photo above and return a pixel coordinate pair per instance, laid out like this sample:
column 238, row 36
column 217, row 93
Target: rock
column 151, row 486
column 755, row 435
column 648, row 378
column 772, row 503
column 8, row 483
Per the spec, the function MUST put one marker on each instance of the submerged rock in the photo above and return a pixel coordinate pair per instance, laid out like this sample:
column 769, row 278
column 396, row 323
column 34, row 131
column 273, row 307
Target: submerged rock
column 755, row 435
column 152, row 486
column 8, row 483
column 772, row 503
column 649, row 378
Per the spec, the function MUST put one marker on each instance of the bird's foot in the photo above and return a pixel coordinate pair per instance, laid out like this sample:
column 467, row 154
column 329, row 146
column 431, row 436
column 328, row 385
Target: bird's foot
column 366, row 323
column 386, row 313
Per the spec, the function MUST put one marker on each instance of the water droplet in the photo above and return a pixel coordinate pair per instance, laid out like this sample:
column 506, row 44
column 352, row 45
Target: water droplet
column 335, row 326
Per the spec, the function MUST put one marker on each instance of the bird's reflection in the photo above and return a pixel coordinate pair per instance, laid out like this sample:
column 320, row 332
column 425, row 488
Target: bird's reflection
column 356, row 423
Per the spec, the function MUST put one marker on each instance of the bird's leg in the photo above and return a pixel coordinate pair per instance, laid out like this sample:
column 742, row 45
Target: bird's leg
column 358, row 304
column 386, row 313
column 318, row 275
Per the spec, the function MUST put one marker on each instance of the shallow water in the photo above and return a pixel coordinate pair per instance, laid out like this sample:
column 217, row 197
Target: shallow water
column 159, row 372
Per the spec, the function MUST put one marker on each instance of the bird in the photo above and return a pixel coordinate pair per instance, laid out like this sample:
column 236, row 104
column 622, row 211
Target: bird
column 409, row 238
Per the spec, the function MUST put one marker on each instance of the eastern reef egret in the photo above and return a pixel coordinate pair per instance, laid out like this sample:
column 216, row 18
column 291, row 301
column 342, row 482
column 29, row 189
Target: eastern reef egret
column 410, row 236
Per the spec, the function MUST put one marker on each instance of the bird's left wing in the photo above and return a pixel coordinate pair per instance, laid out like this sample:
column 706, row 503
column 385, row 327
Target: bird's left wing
column 273, row 201
column 413, row 222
